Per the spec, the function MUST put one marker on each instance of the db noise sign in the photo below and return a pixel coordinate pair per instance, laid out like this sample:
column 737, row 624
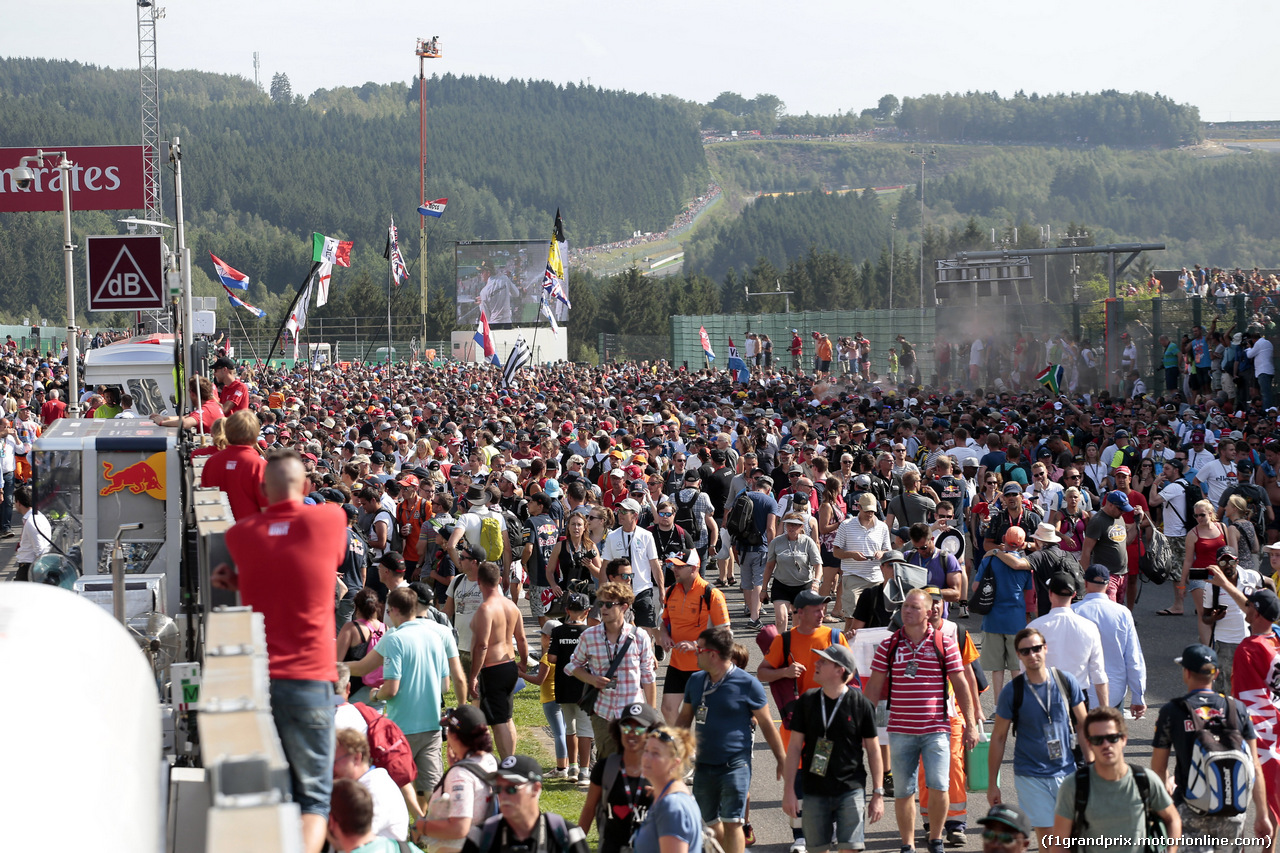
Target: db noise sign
column 125, row 272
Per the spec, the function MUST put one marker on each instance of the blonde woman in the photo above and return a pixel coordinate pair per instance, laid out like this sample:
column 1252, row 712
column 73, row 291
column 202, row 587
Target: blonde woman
column 1203, row 542
column 1070, row 521
column 673, row 823
column 1241, row 534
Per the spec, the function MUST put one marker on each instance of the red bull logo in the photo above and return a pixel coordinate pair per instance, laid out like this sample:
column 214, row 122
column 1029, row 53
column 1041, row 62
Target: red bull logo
column 145, row 475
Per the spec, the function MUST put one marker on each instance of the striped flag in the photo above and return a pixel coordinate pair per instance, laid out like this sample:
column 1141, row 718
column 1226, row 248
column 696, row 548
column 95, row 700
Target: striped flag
column 706, row 343
column 553, row 279
column 518, row 359
column 737, row 367
column 331, row 250
column 229, row 276
column 1052, row 378
column 240, row 303
column 399, row 270
column 434, row 208
column 484, row 339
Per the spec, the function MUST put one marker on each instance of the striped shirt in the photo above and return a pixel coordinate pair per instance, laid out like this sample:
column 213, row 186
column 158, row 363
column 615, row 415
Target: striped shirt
column 852, row 536
column 595, row 652
column 917, row 702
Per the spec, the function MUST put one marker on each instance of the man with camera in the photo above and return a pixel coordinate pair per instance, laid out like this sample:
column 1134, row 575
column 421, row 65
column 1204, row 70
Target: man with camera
column 522, row 826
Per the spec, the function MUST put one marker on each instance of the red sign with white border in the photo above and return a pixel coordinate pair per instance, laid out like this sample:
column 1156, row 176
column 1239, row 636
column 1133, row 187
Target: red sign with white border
column 125, row 272
column 103, row 177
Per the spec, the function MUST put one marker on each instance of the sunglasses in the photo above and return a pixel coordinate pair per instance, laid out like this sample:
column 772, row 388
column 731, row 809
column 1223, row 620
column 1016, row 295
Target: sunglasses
column 633, row 728
column 509, row 789
column 998, row 837
column 1031, row 650
column 667, row 514
column 1099, row 740
column 609, row 605
column 627, row 576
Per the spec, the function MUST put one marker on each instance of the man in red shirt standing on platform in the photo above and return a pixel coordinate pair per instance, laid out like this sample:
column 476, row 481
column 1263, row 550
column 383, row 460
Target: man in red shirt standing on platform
column 232, row 393
column 53, row 408
column 205, row 408
column 286, row 564
column 237, row 469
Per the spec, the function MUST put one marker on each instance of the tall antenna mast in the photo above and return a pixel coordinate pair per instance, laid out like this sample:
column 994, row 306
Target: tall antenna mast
column 148, row 14
column 426, row 49
column 256, row 66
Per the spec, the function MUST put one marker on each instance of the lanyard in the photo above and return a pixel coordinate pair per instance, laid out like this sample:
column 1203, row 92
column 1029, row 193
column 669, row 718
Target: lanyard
column 712, row 687
column 1048, row 684
column 828, row 719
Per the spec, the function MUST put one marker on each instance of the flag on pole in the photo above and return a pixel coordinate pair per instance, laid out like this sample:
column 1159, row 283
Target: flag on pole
column 434, row 208
column 706, row 343
column 484, row 339
column 298, row 318
column 399, row 271
column 547, row 312
column 1052, row 377
column 240, row 303
column 554, row 283
column 229, row 276
column 518, row 359
column 330, row 250
column 323, row 274
column 737, row 367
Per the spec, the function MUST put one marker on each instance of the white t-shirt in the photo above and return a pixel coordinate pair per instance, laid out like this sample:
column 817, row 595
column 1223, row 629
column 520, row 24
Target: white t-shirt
column 975, row 353
column 640, row 547
column 1216, row 478
column 468, row 797
column 1174, row 509
column 466, row 600
column 473, row 518
column 1232, row 628
column 1261, row 353
column 390, row 814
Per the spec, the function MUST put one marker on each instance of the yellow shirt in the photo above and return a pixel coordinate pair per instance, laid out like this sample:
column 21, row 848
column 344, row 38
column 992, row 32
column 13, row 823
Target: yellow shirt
column 549, row 683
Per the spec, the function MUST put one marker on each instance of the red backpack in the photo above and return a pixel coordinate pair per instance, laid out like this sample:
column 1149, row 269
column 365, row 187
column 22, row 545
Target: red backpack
column 388, row 747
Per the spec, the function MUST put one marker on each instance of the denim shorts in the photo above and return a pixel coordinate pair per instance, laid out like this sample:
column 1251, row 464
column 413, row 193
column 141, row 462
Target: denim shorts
column 905, row 753
column 721, row 791
column 1038, row 796
column 844, row 810
column 303, row 714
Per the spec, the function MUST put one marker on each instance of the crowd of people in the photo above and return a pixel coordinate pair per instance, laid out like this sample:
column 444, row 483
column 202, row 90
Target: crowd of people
column 403, row 529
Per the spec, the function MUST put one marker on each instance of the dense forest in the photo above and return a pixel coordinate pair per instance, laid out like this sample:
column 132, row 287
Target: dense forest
column 263, row 169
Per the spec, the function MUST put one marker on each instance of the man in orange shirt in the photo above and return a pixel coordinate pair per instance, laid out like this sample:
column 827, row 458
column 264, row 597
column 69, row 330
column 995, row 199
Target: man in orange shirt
column 791, row 656
column 822, row 356
column 237, row 468
column 692, row 605
column 411, row 513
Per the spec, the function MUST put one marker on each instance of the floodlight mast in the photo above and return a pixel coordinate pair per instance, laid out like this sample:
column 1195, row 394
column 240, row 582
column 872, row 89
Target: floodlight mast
column 426, row 49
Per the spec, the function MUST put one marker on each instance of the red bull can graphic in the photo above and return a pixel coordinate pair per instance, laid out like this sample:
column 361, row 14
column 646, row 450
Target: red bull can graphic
column 145, row 475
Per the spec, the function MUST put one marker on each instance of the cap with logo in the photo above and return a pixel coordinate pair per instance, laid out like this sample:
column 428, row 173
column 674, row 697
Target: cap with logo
column 1010, row 816
column 1198, row 658
column 840, row 655
column 464, row 719
column 517, row 768
column 1266, row 603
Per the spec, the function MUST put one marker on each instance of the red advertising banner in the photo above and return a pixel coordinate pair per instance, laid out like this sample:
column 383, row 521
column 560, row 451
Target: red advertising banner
column 103, row 177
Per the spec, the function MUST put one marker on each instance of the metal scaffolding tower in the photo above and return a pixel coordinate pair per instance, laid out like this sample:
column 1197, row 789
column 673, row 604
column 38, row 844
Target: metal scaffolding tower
column 148, row 14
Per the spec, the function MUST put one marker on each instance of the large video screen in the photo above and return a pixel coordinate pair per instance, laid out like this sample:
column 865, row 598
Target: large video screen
column 505, row 277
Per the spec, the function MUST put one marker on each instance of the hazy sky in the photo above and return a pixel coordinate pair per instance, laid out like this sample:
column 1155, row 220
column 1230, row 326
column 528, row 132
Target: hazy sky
column 820, row 56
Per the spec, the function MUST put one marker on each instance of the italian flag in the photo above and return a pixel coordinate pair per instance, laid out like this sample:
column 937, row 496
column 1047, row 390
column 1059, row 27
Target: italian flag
column 330, row 250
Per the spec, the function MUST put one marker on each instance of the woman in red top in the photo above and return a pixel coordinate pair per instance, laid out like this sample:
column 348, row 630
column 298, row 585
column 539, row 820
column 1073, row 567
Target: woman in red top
column 205, row 406
column 1203, row 542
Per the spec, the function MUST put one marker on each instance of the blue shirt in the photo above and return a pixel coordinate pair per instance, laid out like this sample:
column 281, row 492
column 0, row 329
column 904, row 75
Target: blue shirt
column 1009, row 613
column 415, row 653
column 1121, row 652
column 1031, row 745
column 765, row 506
column 674, row 815
column 729, row 705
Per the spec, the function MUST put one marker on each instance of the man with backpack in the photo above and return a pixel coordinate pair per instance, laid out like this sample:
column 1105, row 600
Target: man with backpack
column 911, row 671
column 752, row 522
column 1044, row 724
column 1177, row 493
column 1111, row 799
column 1212, row 740
column 485, row 530
column 692, row 605
column 696, row 514
column 1261, row 513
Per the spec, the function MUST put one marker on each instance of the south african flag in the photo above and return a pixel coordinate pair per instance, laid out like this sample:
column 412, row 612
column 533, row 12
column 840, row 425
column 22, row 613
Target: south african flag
column 1051, row 377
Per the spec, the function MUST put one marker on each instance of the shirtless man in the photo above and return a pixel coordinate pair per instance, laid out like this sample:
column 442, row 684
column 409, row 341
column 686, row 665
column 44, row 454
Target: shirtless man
column 493, row 661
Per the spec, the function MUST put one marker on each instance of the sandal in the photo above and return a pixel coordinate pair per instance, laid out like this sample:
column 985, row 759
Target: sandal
column 748, row 834
column 1168, row 612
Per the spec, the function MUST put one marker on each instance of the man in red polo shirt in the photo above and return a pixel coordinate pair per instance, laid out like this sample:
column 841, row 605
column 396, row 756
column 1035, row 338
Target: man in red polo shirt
column 286, row 564
column 233, row 395
column 237, row 469
column 205, row 408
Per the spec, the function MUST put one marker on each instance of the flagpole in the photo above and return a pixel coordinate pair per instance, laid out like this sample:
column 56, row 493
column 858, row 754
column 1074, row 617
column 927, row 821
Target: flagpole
column 247, row 339
column 315, row 265
column 390, row 278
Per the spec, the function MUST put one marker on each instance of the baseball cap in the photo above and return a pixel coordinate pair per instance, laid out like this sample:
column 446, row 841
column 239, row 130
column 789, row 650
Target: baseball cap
column 642, row 713
column 1198, row 658
column 629, row 505
column 577, row 602
column 223, row 361
column 808, row 598
column 1011, row 488
column 1062, row 584
column 934, row 592
column 1266, row 603
column 692, row 475
column 840, row 655
column 1097, row 573
column 1226, row 551
column 1010, row 816
column 1120, row 499
column 464, row 719
column 517, row 768
column 1124, row 469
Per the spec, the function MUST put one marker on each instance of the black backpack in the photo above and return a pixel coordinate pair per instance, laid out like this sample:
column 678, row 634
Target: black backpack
column 742, row 522
column 687, row 518
column 1154, row 825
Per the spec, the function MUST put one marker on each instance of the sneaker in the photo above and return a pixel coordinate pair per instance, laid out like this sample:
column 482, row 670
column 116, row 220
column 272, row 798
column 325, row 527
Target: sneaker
column 888, row 785
column 572, row 773
column 954, row 837
column 935, row 845
column 559, row 773
column 584, row 781
column 748, row 834
column 797, row 846
column 755, row 624
column 906, row 848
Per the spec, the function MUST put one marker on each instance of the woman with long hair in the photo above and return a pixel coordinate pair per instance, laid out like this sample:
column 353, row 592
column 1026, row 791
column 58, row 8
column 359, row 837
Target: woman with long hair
column 575, row 557
column 1096, row 472
column 1241, row 534
column 1070, row 521
column 831, row 511
column 1203, row 542
column 673, row 823
column 361, row 634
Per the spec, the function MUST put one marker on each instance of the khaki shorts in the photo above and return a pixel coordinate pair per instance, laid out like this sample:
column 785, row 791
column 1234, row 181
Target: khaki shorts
column 998, row 652
column 851, row 590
